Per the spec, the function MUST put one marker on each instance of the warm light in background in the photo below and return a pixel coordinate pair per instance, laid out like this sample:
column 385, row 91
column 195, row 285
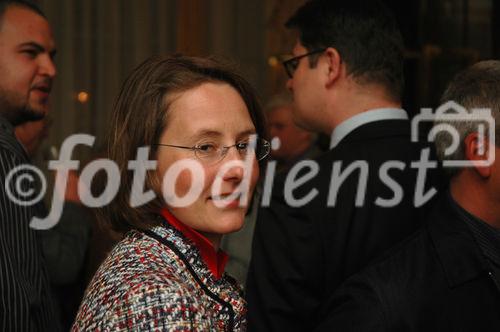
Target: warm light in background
column 82, row 97
column 273, row 61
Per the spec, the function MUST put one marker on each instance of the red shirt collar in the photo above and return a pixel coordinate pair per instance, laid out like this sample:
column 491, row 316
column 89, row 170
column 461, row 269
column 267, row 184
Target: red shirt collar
column 216, row 261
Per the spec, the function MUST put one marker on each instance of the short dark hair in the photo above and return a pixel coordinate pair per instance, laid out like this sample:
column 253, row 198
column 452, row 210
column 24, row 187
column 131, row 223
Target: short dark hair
column 33, row 6
column 140, row 115
column 475, row 87
column 365, row 33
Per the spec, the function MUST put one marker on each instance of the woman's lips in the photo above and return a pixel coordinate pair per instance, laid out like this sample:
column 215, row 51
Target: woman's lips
column 231, row 200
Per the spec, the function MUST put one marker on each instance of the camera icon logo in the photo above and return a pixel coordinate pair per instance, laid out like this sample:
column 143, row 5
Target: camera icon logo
column 446, row 119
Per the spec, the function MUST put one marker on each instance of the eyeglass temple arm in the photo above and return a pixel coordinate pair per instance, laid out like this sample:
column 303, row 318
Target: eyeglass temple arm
column 177, row 146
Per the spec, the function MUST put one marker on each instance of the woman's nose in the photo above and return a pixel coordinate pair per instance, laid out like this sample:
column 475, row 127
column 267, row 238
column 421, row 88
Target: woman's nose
column 236, row 171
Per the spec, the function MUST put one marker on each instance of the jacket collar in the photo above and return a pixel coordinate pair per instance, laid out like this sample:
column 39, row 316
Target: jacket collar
column 363, row 118
column 375, row 130
column 215, row 260
column 456, row 248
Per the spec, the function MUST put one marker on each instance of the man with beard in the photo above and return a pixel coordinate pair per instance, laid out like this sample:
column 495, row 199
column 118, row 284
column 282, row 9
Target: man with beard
column 26, row 72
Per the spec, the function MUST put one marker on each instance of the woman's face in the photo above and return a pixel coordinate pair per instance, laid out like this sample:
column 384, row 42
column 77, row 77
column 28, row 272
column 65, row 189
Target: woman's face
column 210, row 114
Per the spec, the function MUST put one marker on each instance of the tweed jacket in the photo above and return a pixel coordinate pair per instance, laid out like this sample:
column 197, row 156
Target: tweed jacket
column 156, row 280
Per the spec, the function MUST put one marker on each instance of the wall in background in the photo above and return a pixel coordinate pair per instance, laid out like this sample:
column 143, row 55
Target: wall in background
column 100, row 41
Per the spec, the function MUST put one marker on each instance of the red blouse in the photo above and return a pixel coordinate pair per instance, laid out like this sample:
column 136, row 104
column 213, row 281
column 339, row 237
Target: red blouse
column 216, row 261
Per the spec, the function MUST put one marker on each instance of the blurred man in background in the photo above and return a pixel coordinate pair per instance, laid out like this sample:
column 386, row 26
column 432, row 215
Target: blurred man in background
column 295, row 143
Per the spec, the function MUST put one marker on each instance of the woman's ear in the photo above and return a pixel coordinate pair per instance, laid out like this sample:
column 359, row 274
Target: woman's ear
column 477, row 151
column 334, row 64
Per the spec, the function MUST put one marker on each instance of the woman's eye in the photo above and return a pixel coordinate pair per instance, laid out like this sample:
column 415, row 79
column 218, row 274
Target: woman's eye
column 206, row 148
column 242, row 145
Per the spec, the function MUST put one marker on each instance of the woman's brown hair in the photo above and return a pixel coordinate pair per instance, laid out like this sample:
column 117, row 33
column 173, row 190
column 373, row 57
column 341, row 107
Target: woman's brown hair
column 139, row 118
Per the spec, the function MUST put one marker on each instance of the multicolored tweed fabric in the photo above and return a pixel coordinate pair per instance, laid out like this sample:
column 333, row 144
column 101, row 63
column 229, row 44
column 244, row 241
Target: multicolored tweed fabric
column 158, row 282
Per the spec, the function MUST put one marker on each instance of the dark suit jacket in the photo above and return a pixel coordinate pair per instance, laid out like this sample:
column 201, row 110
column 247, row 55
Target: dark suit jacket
column 437, row 280
column 301, row 255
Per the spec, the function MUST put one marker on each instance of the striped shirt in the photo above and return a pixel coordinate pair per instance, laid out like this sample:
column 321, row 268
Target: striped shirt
column 25, row 298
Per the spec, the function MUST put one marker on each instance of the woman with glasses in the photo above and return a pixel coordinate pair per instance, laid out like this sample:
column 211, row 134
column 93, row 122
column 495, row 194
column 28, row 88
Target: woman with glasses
column 203, row 127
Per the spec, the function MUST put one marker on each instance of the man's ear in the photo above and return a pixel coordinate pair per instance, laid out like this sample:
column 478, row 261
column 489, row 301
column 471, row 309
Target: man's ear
column 476, row 151
column 334, row 63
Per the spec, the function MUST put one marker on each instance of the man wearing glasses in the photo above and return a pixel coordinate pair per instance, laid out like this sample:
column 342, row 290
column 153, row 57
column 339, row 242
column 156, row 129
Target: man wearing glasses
column 347, row 78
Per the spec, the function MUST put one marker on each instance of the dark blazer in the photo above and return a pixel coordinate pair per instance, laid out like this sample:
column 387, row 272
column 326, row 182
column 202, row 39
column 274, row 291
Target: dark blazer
column 438, row 280
column 300, row 256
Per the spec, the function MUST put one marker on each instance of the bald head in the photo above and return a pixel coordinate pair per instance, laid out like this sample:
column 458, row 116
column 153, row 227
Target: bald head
column 294, row 141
